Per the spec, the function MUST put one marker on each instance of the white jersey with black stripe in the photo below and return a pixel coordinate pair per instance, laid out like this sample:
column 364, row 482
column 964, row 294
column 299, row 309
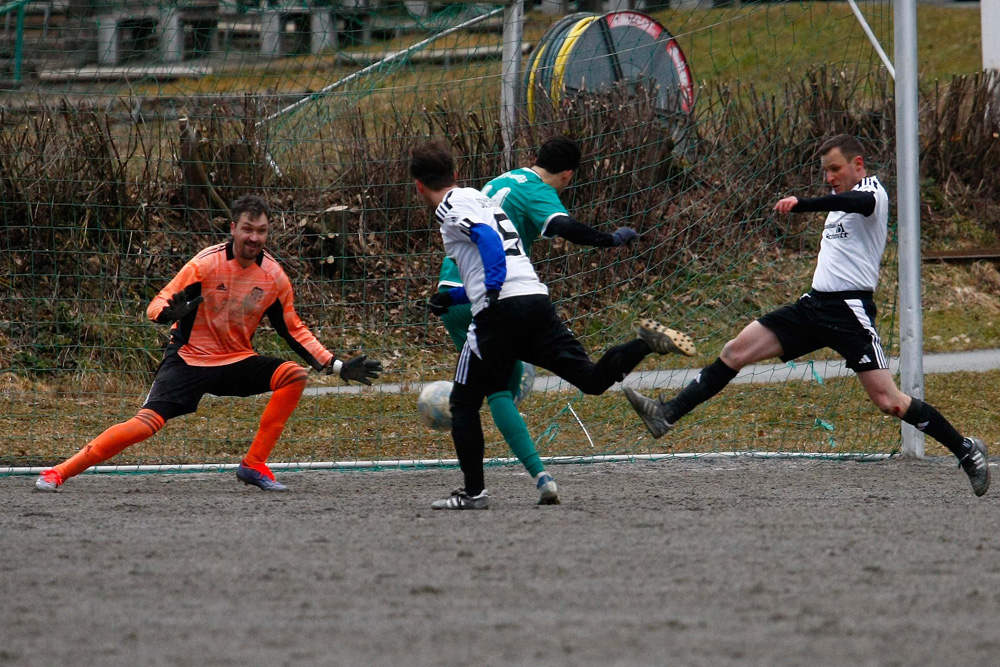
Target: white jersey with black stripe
column 850, row 252
column 458, row 212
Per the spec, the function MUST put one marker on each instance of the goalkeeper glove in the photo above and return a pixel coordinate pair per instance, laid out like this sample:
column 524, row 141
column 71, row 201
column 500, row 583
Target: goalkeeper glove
column 177, row 308
column 439, row 303
column 359, row 369
column 624, row 236
column 492, row 297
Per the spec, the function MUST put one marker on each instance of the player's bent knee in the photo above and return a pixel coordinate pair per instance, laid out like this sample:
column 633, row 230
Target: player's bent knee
column 732, row 356
column 594, row 389
column 151, row 420
column 888, row 406
column 464, row 401
column 288, row 374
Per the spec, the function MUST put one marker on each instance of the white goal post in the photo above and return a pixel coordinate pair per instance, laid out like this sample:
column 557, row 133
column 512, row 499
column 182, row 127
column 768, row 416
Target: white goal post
column 904, row 73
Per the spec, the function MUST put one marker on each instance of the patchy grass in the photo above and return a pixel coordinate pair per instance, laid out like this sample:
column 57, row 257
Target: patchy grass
column 764, row 42
column 788, row 38
column 43, row 422
column 833, row 417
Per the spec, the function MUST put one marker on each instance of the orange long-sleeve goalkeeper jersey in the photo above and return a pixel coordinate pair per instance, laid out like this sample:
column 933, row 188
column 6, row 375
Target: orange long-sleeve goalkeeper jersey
column 220, row 329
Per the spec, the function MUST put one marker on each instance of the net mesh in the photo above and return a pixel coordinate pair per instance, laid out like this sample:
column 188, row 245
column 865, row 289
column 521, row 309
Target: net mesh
column 129, row 128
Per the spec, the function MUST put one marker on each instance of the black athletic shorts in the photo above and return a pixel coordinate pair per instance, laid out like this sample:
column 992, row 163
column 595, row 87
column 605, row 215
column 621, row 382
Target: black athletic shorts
column 842, row 321
column 524, row 328
column 178, row 387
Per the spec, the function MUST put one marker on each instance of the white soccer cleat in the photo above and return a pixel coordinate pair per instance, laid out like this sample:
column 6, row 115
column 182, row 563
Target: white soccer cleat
column 548, row 493
column 460, row 500
column 49, row 481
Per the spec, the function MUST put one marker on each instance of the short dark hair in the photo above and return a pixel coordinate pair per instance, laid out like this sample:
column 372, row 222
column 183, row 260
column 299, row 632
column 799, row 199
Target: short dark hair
column 849, row 147
column 558, row 154
column 432, row 164
column 252, row 204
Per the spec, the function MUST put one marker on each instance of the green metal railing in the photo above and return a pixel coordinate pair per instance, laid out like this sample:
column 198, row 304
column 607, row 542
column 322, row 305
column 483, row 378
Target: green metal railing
column 19, row 37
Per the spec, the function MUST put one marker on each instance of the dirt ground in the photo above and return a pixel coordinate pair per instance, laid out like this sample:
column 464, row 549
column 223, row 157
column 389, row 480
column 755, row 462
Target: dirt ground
column 700, row 562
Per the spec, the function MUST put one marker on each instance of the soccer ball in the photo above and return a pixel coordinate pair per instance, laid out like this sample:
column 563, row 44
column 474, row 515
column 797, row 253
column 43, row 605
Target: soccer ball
column 527, row 382
column 432, row 405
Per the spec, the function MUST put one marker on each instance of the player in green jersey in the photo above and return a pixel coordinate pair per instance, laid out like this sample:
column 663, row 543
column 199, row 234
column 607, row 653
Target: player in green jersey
column 530, row 198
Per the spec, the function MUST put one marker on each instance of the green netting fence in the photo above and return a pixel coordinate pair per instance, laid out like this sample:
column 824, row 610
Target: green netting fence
column 128, row 128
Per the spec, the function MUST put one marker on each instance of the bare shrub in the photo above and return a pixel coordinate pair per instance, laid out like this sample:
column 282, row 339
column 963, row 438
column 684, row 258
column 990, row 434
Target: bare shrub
column 96, row 218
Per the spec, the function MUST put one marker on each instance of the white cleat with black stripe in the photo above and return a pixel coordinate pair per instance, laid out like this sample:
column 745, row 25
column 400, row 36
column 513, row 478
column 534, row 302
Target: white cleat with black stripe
column 976, row 466
column 460, row 500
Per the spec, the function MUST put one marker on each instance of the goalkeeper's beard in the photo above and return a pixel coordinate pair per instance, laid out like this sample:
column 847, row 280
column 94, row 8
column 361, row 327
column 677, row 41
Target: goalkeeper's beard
column 248, row 252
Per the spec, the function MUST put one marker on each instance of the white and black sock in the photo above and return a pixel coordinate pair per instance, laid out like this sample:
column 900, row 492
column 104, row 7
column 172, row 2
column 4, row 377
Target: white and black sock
column 926, row 418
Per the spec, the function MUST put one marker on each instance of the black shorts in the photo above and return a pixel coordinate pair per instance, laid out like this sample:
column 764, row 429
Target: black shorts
column 178, row 387
column 842, row 321
column 524, row 328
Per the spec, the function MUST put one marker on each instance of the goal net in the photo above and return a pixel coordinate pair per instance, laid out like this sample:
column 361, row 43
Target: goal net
column 129, row 129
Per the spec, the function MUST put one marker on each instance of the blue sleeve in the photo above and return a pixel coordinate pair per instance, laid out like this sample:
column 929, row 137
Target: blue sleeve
column 491, row 252
column 458, row 295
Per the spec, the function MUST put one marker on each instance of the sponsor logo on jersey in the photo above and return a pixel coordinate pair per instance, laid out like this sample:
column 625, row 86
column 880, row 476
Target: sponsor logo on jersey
column 839, row 233
column 221, row 287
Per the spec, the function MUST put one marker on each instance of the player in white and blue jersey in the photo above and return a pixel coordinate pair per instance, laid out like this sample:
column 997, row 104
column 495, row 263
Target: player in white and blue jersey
column 838, row 312
column 513, row 318
column 530, row 198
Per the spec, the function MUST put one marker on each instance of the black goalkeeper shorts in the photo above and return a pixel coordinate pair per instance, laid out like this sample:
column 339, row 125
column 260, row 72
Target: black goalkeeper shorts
column 178, row 387
column 842, row 321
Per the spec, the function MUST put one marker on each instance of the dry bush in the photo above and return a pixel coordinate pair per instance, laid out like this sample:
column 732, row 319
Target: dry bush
column 97, row 218
column 960, row 142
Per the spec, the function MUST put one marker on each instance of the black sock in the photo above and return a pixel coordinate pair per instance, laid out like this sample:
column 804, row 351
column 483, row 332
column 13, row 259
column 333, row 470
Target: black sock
column 709, row 382
column 615, row 364
column 467, row 433
column 927, row 419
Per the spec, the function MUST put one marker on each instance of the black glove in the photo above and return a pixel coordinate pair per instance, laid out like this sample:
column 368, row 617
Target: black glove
column 439, row 303
column 624, row 236
column 360, row 369
column 177, row 307
column 492, row 296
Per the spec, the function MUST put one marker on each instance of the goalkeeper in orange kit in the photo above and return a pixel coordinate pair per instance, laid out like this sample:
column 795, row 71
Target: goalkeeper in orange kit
column 214, row 306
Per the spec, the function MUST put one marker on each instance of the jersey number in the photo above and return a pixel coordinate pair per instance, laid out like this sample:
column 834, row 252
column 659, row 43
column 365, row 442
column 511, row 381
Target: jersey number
column 508, row 233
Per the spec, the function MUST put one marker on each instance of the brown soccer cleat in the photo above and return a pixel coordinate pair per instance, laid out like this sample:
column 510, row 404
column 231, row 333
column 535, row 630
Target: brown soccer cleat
column 663, row 340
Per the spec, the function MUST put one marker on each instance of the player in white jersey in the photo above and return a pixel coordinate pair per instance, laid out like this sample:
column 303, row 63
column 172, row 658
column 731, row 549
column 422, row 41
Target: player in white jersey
column 839, row 313
column 513, row 318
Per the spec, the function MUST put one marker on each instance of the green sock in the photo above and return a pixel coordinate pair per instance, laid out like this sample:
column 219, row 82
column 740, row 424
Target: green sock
column 514, row 431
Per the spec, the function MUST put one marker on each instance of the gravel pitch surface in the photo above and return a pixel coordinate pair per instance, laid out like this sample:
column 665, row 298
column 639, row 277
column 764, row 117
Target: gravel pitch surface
column 699, row 562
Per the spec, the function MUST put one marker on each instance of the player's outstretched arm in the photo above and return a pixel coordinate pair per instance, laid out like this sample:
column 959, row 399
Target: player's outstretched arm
column 287, row 324
column 360, row 369
column 854, row 201
column 576, row 232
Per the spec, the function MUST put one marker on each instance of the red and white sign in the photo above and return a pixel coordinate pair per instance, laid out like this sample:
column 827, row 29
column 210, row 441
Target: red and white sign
column 635, row 20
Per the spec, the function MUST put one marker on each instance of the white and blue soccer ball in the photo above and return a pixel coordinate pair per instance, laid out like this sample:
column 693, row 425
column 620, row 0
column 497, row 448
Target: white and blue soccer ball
column 433, row 407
